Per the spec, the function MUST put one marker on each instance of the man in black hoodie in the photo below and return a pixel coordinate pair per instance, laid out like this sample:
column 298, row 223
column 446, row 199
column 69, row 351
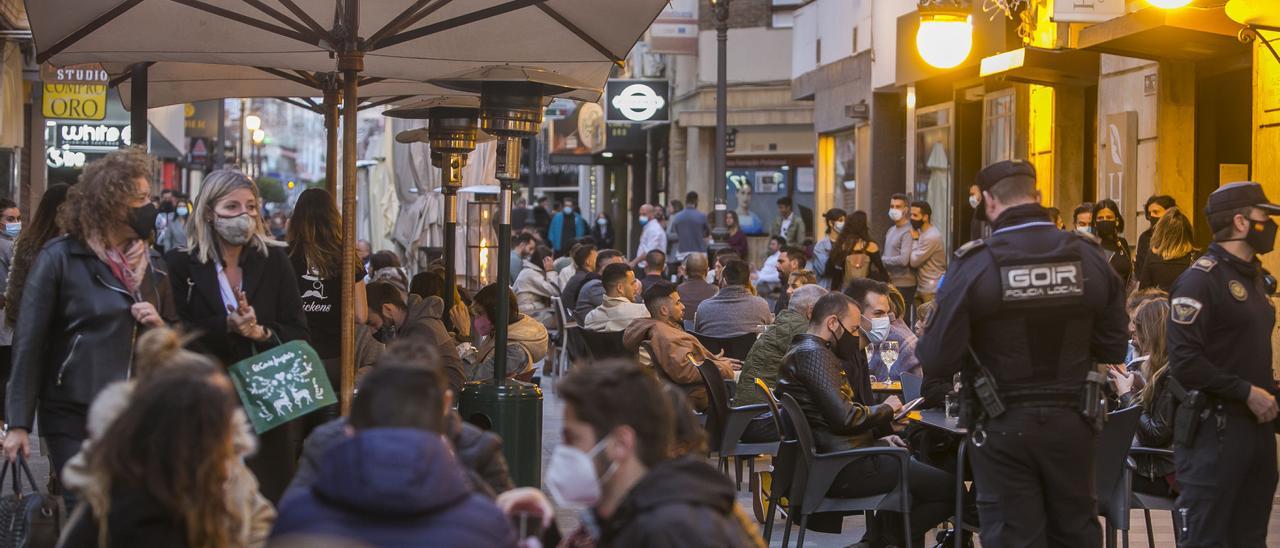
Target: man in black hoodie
column 391, row 317
column 615, row 459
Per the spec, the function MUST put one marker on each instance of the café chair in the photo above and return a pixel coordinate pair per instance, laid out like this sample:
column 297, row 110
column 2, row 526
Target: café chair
column 734, row 347
column 912, row 386
column 1148, row 502
column 1111, row 480
column 784, row 461
column 726, row 424
column 604, row 344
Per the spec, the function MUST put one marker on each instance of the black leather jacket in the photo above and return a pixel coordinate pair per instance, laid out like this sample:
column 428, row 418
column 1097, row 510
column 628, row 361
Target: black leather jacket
column 76, row 333
column 813, row 375
column 1155, row 427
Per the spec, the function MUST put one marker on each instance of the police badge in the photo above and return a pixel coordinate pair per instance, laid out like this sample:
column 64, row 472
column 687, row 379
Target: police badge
column 1238, row 291
column 1184, row 310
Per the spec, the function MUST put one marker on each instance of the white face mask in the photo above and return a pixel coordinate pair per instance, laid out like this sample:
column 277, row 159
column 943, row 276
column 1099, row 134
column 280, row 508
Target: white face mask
column 879, row 329
column 973, row 201
column 1084, row 230
column 601, row 222
column 568, row 210
column 571, row 476
column 895, row 214
column 839, row 226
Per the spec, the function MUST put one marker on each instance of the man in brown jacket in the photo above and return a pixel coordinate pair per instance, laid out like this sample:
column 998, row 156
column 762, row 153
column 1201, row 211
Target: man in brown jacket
column 676, row 353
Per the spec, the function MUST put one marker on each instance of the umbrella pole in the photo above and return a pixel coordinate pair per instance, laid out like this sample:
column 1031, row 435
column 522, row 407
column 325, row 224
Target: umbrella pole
column 330, row 106
column 139, row 130
column 508, row 171
column 450, row 241
column 351, row 63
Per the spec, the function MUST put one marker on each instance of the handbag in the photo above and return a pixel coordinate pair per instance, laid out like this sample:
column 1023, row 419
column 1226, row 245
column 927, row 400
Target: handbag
column 27, row 520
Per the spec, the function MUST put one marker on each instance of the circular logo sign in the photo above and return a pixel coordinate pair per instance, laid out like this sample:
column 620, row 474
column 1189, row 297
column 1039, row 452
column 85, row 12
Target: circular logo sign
column 638, row 102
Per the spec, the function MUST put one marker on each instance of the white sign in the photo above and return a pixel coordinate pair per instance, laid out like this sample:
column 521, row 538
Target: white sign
column 56, row 158
column 1087, row 11
column 638, row 102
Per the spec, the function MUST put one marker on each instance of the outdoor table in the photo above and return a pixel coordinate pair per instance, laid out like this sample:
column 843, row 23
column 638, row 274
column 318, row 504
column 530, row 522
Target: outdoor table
column 938, row 420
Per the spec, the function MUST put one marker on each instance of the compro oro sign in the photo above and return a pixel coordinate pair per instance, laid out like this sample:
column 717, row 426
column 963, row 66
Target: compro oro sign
column 76, row 92
column 637, row 101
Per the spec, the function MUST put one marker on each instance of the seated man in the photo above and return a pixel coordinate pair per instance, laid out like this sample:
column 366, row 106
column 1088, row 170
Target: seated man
column 584, row 262
column 766, row 357
column 392, row 318
column 873, row 297
column 527, row 338
column 734, row 310
column 479, row 451
column 695, row 288
column 394, row 481
column 619, row 308
column 813, row 374
column 591, row 295
column 619, row 422
column 655, row 263
column 676, row 353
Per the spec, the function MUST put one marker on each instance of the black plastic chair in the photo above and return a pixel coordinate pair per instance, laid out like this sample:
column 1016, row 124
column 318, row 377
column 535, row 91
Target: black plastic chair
column 815, row 472
column 604, row 344
column 734, row 347
column 1148, row 502
column 726, row 424
column 1111, row 482
column 912, row 386
column 783, row 463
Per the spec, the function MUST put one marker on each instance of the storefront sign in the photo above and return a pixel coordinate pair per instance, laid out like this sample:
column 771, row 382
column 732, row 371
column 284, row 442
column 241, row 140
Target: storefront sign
column 58, row 158
column 630, row 101
column 577, row 134
column 201, row 119
column 90, row 73
column 74, row 101
column 1087, row 11
column 92, row 137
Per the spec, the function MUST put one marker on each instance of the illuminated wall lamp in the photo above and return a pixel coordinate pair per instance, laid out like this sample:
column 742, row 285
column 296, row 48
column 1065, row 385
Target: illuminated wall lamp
column 945, row 36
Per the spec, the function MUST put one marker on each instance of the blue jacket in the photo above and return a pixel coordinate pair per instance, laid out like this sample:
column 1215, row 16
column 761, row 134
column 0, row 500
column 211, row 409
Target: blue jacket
column 555, row 232
column 393, row 487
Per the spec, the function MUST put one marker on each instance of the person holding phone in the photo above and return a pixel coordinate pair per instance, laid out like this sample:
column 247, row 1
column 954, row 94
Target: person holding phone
column 236, row 287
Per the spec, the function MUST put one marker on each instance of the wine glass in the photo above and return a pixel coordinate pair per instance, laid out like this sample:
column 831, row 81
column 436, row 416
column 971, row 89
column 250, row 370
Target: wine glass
column 889, row 353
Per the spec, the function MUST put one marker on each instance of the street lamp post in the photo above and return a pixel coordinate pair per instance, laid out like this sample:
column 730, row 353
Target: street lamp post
column 258, row 137
column 252, row 124
column 720, row 234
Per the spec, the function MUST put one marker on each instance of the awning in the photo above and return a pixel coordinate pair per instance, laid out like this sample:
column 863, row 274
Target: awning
column 1050, row 67
column 1159, row 34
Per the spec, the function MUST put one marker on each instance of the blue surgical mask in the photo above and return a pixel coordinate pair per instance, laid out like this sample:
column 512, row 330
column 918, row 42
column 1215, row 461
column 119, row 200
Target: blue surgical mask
column 12, row 229
column 568, row 211
column 601, row 222
column 644, row 219
column 182, row 211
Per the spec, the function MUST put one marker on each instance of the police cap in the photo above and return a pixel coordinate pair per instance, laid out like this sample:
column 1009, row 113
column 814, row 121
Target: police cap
column 1233, row 196
column 1002, row 170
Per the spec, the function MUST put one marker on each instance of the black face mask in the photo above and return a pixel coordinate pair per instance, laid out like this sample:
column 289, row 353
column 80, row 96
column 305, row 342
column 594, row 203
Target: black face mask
column 845, row 345
column 166, row 207
column 917, row 224
column 1261, row 238
column 143, row 220
column 1106, row 229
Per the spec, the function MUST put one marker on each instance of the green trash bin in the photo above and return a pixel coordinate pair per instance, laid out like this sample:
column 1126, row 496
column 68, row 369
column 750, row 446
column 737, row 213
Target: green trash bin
column 512, row 410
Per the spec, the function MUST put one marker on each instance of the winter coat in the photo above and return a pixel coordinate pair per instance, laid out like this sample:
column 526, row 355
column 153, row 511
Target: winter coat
column 676, row 355
column 813, row 375
column 526, row 344
column 76, row 332
column 1155, row 427
column 766, row 355
column 393, row 487
column 680, row 502
column 423, row 319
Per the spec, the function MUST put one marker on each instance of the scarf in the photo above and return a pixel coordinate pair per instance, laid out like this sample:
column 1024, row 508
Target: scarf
column 129, row 266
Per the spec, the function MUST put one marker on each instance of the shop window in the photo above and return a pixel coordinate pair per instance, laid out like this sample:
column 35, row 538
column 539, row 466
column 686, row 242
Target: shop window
column 998, row 126
column 846, row 172
column 933, row 163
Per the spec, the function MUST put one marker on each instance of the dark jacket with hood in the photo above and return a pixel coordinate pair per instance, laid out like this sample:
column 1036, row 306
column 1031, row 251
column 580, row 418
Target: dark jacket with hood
column 423, row 319
column 77, row 332
column 680, row 502
column 393, row 487
column 479, row 452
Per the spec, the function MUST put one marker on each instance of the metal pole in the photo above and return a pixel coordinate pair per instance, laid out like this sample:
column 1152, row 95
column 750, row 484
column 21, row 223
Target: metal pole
column 508, row 170
column 139, row 130
column 330, row 105
column 351, row 62
column 450, row 240
column 721, row 233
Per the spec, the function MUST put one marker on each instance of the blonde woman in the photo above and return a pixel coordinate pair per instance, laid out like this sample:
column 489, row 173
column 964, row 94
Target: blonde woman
column 1154, row 475
column 88, row 296
column 236, row 288
column 1171, row 251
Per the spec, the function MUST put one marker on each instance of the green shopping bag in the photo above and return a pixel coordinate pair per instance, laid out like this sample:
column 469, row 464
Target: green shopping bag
column 282, row 384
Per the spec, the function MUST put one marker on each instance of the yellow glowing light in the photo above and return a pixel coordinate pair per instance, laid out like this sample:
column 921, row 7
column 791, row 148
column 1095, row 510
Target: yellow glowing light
column 1169, row 4
column 252, row 123
column 944, row 39
column 259, row 136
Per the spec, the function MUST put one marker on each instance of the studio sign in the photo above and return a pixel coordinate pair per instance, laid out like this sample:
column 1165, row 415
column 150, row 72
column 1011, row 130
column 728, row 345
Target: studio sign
column 637, row 101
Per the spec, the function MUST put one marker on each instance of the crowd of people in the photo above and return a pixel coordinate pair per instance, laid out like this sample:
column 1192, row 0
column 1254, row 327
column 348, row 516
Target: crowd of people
column 123, row 310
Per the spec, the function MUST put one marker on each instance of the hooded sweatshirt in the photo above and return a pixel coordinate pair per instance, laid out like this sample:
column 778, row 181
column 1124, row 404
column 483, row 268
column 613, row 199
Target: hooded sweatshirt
column 393, row 487
column 526, row 344
column 422, row 319
column 680, row 502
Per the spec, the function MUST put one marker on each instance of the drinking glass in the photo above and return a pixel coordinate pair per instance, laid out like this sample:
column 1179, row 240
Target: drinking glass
column 889, row 353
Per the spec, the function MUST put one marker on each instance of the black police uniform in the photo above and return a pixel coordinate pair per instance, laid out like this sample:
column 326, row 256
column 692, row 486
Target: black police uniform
column 1039, row 307
column 1219, row 342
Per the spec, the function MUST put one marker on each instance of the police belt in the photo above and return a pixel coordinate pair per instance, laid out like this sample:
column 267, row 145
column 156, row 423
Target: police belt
column 1030, row 399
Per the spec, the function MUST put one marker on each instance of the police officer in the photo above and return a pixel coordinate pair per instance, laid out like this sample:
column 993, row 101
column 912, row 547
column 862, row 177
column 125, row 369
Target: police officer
column 1219, row 340
column 1040, row 309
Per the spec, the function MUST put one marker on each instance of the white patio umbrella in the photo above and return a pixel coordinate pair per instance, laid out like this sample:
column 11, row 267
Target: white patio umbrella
column 406, row 39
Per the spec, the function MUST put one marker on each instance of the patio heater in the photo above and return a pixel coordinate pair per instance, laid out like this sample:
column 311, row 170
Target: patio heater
column 481, row 240
column 451, row 133
column 511, row 108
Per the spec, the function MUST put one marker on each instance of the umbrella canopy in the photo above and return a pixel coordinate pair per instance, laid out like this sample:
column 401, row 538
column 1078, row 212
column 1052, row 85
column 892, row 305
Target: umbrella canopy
column 172, row 83
column 409, row 40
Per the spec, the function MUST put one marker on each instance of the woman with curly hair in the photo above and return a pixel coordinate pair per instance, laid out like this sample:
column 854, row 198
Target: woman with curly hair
column 236, row 287
column 85, row 301
column 165, row 471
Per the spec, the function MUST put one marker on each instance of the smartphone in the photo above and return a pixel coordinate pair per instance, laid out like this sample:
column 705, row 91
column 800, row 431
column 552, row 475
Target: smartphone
column 908, row 408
